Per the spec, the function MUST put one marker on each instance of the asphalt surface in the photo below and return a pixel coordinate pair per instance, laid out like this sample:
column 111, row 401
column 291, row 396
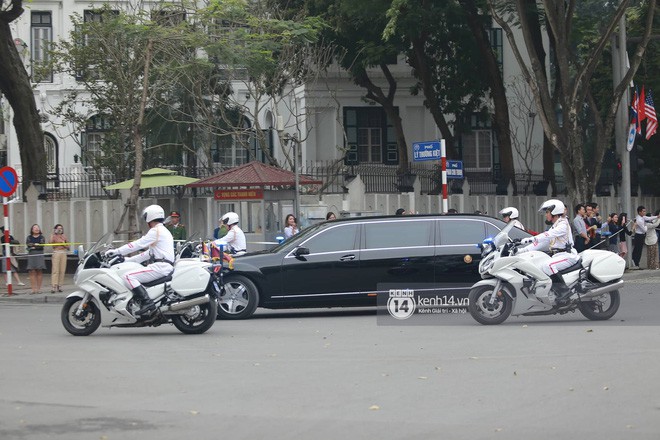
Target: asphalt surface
column 328, row 374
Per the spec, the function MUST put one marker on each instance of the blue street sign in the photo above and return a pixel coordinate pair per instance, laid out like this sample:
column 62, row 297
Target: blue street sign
column 426, row 151
column 454, row 169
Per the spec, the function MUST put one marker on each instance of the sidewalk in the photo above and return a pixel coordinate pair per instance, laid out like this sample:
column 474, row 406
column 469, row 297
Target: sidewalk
column 22, row 295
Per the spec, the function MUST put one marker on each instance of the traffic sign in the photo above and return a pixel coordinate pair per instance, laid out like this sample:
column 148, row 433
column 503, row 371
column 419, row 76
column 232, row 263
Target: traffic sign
column 8, row 181
column 426, row 151
column 454, row 169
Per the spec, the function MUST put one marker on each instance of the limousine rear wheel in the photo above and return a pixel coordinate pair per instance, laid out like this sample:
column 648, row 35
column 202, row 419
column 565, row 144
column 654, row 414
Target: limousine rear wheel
column 483, row 311
column 239, row 299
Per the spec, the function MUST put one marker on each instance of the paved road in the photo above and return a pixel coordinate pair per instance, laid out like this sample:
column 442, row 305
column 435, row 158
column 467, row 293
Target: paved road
column 335, row 374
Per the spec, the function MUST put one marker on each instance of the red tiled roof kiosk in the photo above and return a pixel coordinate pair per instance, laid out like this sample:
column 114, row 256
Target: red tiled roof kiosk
column 259, row 194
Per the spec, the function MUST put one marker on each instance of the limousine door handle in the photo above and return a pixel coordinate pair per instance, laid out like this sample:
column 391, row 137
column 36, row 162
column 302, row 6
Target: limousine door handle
column 349, row 257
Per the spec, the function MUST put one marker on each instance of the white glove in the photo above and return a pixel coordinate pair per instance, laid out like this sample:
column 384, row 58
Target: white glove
column 111, row 253
column 521, row 250
column 527, row 240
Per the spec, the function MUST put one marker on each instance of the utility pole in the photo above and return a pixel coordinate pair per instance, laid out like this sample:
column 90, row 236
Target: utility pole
column 619, row 70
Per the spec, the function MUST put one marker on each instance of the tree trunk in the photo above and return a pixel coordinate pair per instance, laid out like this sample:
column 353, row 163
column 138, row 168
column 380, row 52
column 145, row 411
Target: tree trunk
column 376, row 94
column 417, row 60
column 131, row 203
column 15, row 85
column 549, row 164
column 501, row 122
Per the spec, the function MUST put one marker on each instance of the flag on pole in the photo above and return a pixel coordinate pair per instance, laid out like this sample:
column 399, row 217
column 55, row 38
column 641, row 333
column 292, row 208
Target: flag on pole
column 641, row 110
column 649, row 111
column 632, row 132
column 633, row 109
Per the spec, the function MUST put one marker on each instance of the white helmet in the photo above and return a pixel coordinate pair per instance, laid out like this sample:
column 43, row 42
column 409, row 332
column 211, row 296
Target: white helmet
column 555, row 206
column 231, row 218
column 510, row 212
column 153, row 213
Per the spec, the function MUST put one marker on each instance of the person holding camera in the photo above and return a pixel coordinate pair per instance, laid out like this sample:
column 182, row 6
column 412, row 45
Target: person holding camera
column 60, row 252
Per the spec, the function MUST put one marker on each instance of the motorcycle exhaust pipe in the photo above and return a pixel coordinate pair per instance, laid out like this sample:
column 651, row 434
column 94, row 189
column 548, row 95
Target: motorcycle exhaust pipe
column 601, row 290
column 182, row 305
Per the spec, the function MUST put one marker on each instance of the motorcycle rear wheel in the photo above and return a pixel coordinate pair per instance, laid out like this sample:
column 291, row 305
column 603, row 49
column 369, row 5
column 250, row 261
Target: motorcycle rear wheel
column 485, row 313
column 84, row 325
column 197, row 319
column 598, row 310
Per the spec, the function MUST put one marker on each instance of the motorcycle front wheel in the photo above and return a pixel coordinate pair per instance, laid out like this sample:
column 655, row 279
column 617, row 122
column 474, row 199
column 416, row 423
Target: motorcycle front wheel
column 485, row 313
column 197, row 319
column 601, row 308
column 86, row 323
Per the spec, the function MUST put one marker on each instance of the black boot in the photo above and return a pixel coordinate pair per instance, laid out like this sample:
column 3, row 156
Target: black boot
column 561, row 290
column 148, row 306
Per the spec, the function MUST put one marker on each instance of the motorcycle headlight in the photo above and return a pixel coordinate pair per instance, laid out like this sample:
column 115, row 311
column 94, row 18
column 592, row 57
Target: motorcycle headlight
column 486, row 249
column 486, row 264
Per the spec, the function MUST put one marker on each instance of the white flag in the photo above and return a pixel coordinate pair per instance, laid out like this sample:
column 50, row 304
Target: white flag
column 631, row 137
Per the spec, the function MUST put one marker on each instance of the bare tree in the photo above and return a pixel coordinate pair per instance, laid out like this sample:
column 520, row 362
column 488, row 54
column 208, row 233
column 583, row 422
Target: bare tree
column 523, row 115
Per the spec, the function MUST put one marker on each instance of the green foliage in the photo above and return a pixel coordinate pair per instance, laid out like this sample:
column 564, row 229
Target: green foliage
column 197, row 52
column 449, row 47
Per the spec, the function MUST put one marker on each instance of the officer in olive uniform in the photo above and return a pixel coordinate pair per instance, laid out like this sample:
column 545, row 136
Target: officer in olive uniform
column 177, row 229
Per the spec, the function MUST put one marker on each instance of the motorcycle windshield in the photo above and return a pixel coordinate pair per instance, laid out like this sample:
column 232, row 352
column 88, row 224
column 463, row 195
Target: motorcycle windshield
column 103, row 242
column 503, row 236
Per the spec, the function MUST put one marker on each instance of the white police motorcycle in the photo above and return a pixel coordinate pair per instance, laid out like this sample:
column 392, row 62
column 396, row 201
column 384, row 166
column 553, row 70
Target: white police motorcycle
column 186, row 299
column 509, row 281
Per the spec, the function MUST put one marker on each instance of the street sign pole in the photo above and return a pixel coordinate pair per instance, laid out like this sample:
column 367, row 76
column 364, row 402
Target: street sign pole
column 8, row 184
column 7, row 262
column 443, row 150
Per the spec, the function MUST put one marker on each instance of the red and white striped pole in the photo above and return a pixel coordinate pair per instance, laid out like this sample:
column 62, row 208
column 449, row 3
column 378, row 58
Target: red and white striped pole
column 443, row 152
column 5, row 209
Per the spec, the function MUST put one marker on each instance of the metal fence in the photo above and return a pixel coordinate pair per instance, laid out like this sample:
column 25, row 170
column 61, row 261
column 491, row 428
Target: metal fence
column 379, row 178
column 87, row 183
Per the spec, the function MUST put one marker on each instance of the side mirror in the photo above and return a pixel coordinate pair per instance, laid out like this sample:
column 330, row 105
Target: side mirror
column 80, row 252
column 301, row 251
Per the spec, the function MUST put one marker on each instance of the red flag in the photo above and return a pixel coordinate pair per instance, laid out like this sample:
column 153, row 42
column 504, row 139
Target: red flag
column 641, row 111
column 649, row 109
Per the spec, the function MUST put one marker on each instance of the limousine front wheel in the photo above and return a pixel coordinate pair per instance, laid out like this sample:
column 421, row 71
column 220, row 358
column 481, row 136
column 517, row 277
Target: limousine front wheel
column 485, row 312
column 239, row 299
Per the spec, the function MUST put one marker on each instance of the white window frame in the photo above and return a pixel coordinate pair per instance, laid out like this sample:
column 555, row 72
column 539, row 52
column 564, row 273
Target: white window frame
column 41, row 36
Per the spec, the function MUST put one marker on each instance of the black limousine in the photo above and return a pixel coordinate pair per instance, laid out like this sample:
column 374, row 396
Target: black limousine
column 341, row 263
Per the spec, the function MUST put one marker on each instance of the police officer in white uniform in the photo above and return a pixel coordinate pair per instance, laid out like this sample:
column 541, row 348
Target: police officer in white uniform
column 159, row 251
column 235, row 238
column 558, row 241
column 510, row 214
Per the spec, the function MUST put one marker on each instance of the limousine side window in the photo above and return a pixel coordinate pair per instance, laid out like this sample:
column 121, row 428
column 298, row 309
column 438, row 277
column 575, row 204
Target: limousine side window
column 400, row 234
column 335, row 239
column 462, row 232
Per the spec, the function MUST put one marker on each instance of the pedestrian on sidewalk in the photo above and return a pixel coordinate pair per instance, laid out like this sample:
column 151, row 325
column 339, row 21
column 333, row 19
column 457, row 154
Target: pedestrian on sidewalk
column 36, row 259
column 59, row 258
column 640, row 234
column 651, row 242
column 12, row 258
